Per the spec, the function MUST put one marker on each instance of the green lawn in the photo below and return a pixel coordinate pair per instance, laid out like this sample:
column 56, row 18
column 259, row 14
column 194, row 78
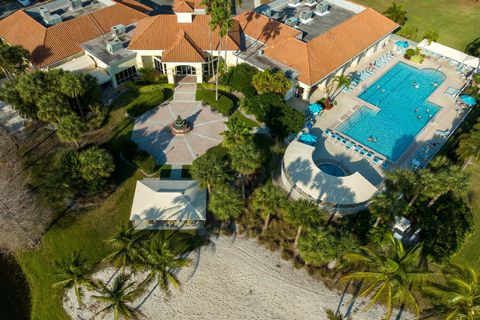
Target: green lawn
column 457, row 21
column 87, row 230
column 470, row 252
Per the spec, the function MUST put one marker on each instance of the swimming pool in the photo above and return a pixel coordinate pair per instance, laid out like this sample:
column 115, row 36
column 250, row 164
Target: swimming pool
column 400, row 95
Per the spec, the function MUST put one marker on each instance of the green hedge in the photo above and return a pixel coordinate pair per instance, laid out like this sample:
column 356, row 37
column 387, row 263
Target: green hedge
column 148, row 97
column 225, row 104
column 140, row 158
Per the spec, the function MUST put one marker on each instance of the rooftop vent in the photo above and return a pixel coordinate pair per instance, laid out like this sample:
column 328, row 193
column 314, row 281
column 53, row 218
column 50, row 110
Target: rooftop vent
column 119, row 30
column 114, row 45
column 75, row 5
column 295, row 3
column 306, row 16
column 310, row 3
column 322, row 8
column 52, row 19
column 269, row 13
column 44, row 12
column 292, row 22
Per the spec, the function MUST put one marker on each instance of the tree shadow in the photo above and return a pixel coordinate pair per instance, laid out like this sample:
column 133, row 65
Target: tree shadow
column 473, row 48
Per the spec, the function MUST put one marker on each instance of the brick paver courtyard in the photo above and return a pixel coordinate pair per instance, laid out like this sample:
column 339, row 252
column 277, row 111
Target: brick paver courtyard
column 152, row 133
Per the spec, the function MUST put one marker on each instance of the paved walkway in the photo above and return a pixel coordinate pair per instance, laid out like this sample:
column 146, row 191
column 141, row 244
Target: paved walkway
column 10, row 119
column 152, row 129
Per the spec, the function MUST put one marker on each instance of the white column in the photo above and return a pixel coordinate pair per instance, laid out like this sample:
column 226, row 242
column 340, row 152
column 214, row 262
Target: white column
column 306, row 93
column 170, row 74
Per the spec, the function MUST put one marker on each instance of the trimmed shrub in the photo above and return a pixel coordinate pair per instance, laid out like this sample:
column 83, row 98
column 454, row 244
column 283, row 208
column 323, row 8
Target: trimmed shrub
column 129, row 150
column 287, row 254
column 225, row 104
column 145, row 161
column 240, row 78
column 409, row 53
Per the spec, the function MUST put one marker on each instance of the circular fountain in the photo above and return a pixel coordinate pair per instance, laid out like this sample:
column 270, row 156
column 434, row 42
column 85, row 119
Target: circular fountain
column 180, row 126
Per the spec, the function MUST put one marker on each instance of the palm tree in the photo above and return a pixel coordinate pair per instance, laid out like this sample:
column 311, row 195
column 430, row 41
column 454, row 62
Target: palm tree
column 209, row 171
column 269, row 200
column 391, row 273
column 331, row 315
column 386, row 205
column 341, row 81
column 246, row 159
column 226, row 203
column 70, row 128
column 238, row 132
column 396, row 13
column 13, row 60
column 221, row 21
column 72, row 273
column 73, row 86
column 119, row 297
column 208, row 11
column 303, row 213
column 469, row 146
column 126, row 245
column 161, row 258
column 450, row 179
column 459, row 296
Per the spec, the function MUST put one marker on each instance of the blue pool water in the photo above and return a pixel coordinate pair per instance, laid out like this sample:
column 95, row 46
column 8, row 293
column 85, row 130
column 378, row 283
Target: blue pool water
column 400, row 94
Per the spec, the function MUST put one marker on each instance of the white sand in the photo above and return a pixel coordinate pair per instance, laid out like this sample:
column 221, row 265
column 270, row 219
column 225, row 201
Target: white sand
column 235, row 279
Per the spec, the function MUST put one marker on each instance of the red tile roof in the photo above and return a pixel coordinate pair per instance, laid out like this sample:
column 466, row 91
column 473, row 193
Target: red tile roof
column 182, row 6
column 324, row 54
column 265, row 30
column 195, row 4
column 48, row 45
column 183, row 50
column 159, row 32
column 136, row 5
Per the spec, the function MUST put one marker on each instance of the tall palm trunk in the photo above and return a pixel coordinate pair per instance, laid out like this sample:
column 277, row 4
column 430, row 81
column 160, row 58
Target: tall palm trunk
column 266, row 223
column 243, row 185
column 297, row 237
column 437, row 196
column 218, row 70
column 377, row 222
column 82, row 115
column 467, row 163
column 210, row 63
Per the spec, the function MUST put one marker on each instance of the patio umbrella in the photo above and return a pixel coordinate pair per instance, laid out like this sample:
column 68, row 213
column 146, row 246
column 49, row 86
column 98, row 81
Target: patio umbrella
column 471, row 101
column 308, row 138
column 315, row 108
column 402, row 44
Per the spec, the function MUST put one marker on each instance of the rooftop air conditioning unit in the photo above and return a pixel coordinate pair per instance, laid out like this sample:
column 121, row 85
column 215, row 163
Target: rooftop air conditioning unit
column 292, row 22
column 260, row 52
column 269, row 13
column 310, row 3
column 119, row 30
column 322, row 8
column 114, row 45
column 306, row 16
column 53, row 19
column 44, row 12
column 295, row 3
column 75, row 5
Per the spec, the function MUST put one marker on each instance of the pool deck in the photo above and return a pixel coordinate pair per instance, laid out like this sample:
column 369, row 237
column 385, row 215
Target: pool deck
column 448, row 118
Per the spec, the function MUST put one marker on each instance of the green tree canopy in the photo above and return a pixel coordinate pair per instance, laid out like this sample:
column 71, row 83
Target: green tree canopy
column 396, row 13
column 390, row 275
column 13, row 60
column 72, row 272
column 237, row 133
column 118, row 297
column 303, row 213
column 431, row 36
column 70, row 128
column 271, row 82
column 269, row 200
column 126, row 244
column 225, row 203
column 317, row 246
column 95, row 164
column 209, row 170
column 458, row 297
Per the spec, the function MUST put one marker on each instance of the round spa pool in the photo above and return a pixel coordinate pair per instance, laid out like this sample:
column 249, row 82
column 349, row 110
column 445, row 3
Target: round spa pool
column 332, row 169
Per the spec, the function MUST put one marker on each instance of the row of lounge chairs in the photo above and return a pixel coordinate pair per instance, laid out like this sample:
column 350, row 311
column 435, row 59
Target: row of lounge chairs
column 358, row 77
column 356, row 148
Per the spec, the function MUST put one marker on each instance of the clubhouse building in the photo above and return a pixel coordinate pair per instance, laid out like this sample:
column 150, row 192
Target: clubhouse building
column 311, row 41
